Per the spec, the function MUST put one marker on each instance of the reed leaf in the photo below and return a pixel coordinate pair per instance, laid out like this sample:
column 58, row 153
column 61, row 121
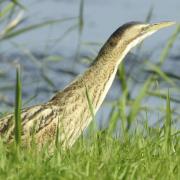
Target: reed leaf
column 81, row 19
column 67, row 32
column 80, row 28
column 154, row 68
column 33, row 27
column 53, row 58
column 169, row 45
column 171, row 75
column 6, row 10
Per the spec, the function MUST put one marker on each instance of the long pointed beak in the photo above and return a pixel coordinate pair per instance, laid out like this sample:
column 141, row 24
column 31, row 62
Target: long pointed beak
column 157, row 26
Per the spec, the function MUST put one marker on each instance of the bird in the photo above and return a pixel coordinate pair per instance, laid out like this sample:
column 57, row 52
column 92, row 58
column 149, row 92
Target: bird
column 68, row 111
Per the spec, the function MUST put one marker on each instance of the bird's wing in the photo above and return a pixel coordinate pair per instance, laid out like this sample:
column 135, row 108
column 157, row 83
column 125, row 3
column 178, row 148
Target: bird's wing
column 34, row 119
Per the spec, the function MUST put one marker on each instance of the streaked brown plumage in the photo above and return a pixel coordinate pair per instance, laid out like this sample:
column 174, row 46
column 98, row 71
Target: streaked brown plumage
column 69, row 108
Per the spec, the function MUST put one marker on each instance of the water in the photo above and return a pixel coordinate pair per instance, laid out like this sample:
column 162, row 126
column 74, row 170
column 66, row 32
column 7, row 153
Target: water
column 101, row 18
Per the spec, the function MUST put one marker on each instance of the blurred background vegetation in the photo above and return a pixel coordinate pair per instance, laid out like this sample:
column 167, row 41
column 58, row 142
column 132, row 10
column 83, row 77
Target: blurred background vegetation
column 54, row 41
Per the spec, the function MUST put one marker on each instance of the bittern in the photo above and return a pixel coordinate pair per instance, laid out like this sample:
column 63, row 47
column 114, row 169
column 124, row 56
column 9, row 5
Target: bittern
column 69, row 109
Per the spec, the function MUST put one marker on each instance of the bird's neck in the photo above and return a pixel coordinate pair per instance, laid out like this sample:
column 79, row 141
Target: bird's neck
column 99, row 77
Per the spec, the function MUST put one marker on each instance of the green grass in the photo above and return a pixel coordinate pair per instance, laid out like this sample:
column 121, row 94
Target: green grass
column 141, row 156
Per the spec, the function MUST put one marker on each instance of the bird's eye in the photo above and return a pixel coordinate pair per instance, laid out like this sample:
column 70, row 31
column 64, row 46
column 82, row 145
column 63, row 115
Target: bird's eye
column 113, row 43
column 143, row 29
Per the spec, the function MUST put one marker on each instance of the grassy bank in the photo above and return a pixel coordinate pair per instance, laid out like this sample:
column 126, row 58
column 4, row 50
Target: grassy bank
column 140, row 156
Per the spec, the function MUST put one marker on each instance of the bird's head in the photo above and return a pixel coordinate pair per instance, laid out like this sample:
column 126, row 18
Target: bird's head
column 129, row 35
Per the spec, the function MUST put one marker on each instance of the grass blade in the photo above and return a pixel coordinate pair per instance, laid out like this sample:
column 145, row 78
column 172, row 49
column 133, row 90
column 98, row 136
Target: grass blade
column 167, row 126
column 92, row 126
column 18, row 103
column 150, row 14
column 57, row 135
column 6, row 10
column 137, row 103
column 122, row 77
column 122, row 110
column 113, row 118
